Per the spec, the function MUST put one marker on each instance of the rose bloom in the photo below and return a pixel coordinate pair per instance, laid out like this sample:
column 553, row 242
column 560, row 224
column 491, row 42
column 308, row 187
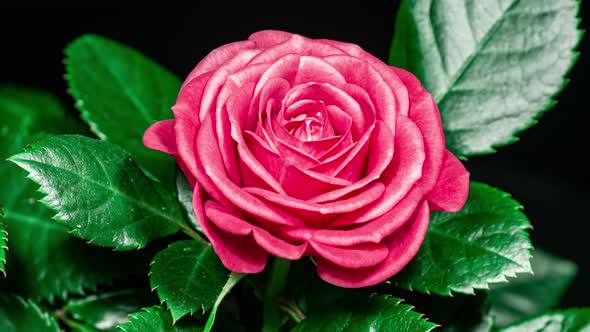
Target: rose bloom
column 300, row 147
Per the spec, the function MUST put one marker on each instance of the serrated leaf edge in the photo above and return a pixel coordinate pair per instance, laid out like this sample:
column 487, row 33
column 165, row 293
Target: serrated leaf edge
column 175, row 316
column 135, row 315
column 408, row 310
column 23, row 163
column 502, row 278
column 552, row 99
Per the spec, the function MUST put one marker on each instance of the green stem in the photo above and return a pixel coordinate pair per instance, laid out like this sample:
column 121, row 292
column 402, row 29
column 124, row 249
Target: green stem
column 278, row 277
column 293, row 310
column 233, row 279
column 277, row 281
column 61, row 315
column 191, row 232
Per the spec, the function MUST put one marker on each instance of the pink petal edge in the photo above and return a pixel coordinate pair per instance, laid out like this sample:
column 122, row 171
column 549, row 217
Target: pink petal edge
column 452, row 188
column 160, row 136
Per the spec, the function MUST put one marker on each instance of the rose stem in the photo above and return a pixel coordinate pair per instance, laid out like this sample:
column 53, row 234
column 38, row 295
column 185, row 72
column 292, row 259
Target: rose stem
column 279, row 271
column 191, row 232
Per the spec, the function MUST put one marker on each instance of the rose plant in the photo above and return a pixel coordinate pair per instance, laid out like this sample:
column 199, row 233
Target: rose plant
column 288, row 155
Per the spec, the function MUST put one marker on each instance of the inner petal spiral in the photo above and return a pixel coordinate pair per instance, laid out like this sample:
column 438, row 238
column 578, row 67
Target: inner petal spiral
column 307, row 120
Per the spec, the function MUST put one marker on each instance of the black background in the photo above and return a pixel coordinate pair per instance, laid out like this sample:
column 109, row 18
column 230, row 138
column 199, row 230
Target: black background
column 546, row 171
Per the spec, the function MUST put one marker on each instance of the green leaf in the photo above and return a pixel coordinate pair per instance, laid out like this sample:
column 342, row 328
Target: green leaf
column 99, row 192
column 3, row 242
column 188, row 276
column 33, row 111
column 359, row 314
column 532, row 294
column 17, row 315
column 120, row 93
column 492, row 66
column 54, row 263
column 571, row 320
column 154, row 319
column 106, row 311
column 483, row 243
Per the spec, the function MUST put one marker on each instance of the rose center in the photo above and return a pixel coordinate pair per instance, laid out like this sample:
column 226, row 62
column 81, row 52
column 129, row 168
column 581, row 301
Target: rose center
column 306, row 120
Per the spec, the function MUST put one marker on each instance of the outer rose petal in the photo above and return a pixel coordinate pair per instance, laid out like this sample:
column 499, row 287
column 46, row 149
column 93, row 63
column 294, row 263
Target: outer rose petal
column 403, row 246
column 232, row 224
column 268, row 38
column 424, row 113
column 452, row 188
column 160, row 136
column 237, row 253
column 217, row 58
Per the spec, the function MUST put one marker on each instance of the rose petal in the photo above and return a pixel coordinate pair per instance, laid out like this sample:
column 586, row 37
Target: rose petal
column 341, row 121
column 273, row 89
column 308, row 149
column 269, row 38
column 218, row 78
column 380, row 154
column 386, row 72
column 236, row 84
column 315, row 214
column 237, row 253
column 403, row 246
column 424, row 113
column 160, row 136
column 296, row 182
column 218, row 57
column 312, row 69
column 367, row 116
column 185, row 129
column 399, row 177
column 347, row 166
column 296, row 44
column 210, row 159
column 355, row 257
column 361, row 73
column 452, row 188
column 235, row 225
column 370, row 232
column 252, row 166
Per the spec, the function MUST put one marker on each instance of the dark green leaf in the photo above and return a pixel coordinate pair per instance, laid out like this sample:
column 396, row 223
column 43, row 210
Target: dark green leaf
column 492, row 66
column 45, row 261
column 33, row 111
column 154, row 319
column 121, row 93
column 370, row 314
column 54, row 263
column 571, row 320
column 18, row 315
column 106, row 311
column 188, row 276
column 483, row 243
column 532, row 294
column 99, row 192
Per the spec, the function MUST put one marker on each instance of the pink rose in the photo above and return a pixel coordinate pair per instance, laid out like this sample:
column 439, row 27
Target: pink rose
column 301, row 147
